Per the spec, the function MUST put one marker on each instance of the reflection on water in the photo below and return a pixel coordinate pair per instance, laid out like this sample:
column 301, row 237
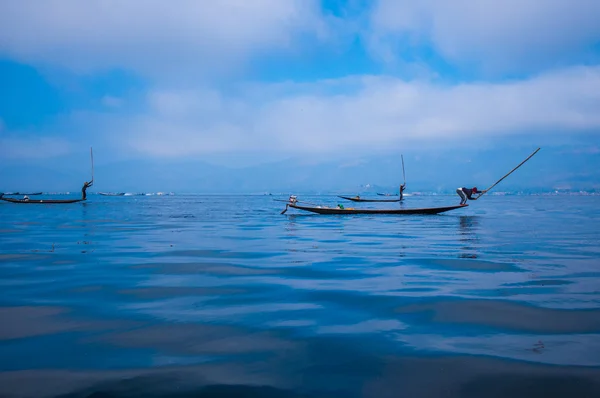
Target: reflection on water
column 224, row 297
column 468, row 235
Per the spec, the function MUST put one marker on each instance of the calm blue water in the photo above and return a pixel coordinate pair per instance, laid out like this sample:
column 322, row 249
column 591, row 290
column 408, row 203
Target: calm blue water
column 221, row 296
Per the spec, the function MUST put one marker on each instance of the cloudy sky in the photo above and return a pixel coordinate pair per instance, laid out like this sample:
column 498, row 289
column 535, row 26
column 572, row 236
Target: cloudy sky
column 240, row 82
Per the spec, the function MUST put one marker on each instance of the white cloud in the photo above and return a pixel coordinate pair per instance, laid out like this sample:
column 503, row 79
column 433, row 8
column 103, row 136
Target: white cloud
column 368, row 112
column 185, row 103
column 152, row 36
column 362, row 113
column 499, row 36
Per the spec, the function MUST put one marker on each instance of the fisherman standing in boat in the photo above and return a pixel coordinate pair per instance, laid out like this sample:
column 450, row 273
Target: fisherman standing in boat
column 467, row 194
column 86, row 185
column 402, row 188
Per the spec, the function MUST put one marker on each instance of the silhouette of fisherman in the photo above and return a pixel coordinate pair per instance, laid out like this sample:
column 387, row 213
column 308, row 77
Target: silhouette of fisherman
column 86, row 185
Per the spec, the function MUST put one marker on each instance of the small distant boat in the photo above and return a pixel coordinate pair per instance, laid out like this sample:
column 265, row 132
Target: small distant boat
column 111, row 193
column 359, row 199
column 399, row 195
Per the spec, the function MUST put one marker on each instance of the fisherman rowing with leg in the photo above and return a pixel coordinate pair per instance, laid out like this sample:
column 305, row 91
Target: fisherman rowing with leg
column 467, row 194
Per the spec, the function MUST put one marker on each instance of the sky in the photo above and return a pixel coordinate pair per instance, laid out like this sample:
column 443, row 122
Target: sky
column 464, row 89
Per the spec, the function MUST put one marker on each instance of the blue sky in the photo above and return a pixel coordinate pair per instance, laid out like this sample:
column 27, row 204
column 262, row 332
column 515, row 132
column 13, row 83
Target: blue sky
column 240, row 82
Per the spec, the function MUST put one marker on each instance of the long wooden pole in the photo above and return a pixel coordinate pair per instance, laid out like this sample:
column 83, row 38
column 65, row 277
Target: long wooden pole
column 510, row 172
column 92, row 157
column 403, row 173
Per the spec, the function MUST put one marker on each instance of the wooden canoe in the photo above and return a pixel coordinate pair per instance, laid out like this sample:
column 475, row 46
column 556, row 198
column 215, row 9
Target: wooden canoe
column 337, row 210
column 41, row 201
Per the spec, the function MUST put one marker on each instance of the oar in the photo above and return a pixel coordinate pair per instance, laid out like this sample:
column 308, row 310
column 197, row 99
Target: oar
column 92, row 157
column 510, row 172
column 284, row 210
column 403, row 173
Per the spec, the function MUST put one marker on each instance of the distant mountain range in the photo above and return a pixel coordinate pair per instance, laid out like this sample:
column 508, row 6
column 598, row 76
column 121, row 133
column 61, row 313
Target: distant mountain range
column 551, row 169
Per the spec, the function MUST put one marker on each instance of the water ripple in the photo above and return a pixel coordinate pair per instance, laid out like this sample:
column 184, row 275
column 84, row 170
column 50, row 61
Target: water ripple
column 220, row 290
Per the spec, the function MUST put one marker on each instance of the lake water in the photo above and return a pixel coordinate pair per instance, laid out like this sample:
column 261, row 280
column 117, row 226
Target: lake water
column 222, row 296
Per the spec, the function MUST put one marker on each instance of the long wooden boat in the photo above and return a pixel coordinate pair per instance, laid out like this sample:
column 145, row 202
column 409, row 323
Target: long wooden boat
column 359, row 199
column 26, row 200
column 337, row 210
column 41, row 201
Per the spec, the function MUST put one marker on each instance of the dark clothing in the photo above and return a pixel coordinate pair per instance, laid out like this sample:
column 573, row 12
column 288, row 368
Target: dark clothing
column 468, row 192
column 86, row 185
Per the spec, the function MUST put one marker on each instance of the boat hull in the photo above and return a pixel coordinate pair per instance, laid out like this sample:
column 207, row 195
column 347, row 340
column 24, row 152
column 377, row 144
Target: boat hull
column 42, row 201
column 330, row 210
